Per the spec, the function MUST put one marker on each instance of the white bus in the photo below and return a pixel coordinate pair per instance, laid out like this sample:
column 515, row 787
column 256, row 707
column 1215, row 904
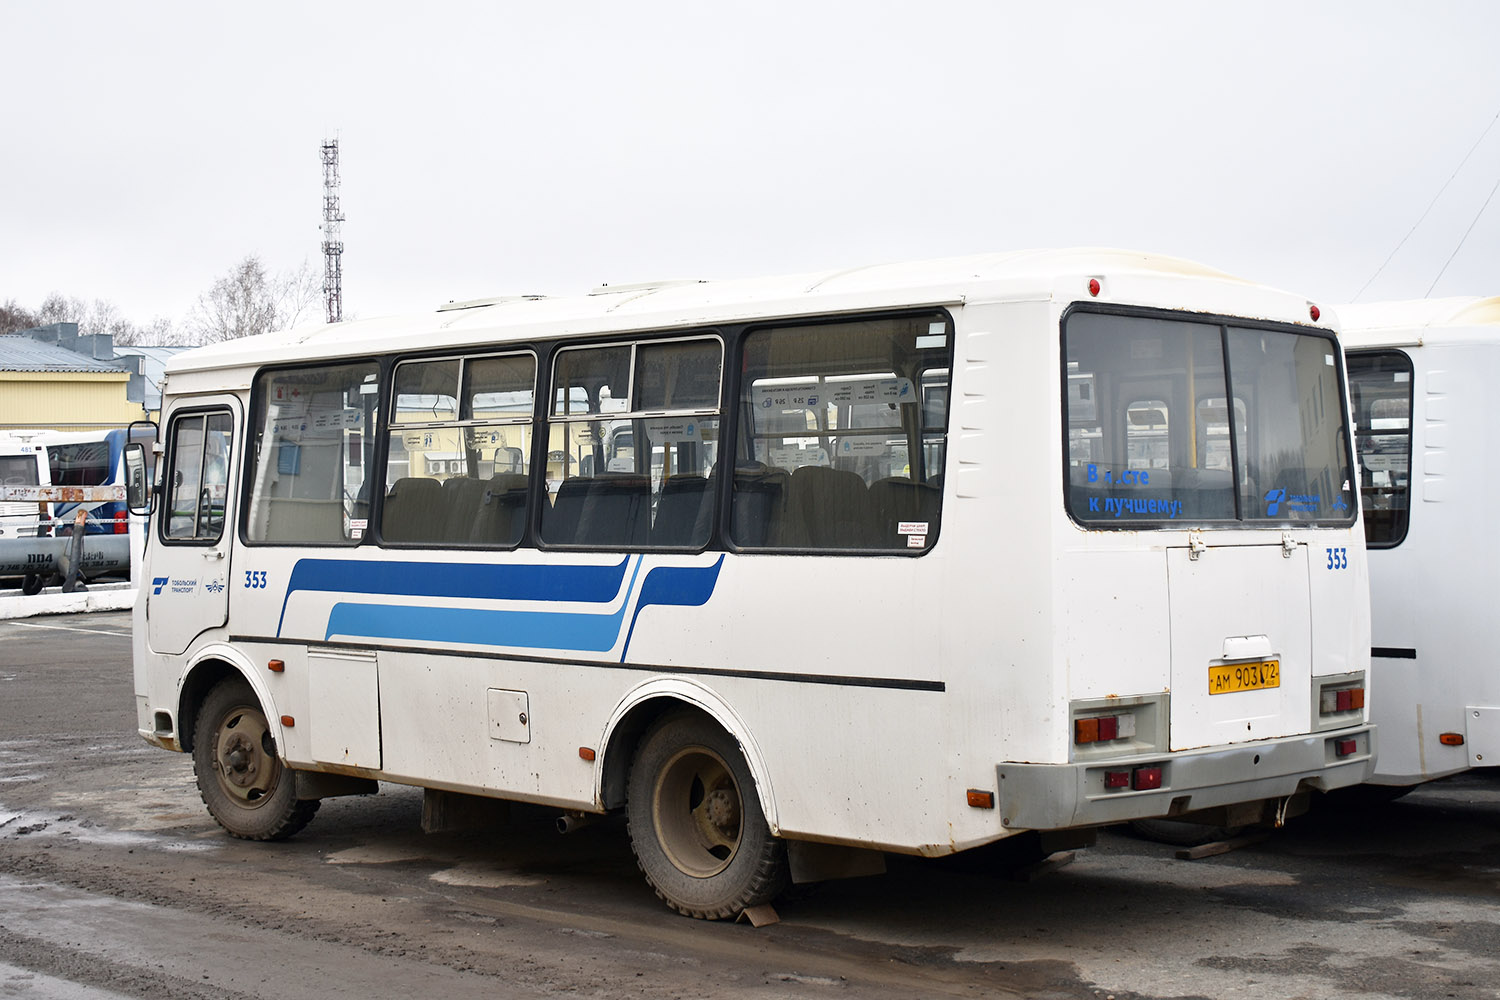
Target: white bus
column 22, row 463
column 1420, row 375
column 904, row 558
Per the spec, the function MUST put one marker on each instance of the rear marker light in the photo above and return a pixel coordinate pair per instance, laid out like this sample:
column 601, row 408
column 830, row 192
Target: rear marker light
column 1103, row 729
column 1116, row 779
column 1143, row 778
column 1345, row 747
column 1314, row 312
column 981, row 800
column 1342, row 700
column 1451, row 739
column 1094, row 286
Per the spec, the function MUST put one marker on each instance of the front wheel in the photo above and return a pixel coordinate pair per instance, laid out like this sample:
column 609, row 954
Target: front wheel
column 696, row 824
column 240, row 777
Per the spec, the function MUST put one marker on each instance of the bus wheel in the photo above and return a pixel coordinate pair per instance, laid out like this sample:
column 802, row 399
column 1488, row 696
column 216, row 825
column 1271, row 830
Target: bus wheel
column 241, row 780
column 31, row 584
column 696, row 824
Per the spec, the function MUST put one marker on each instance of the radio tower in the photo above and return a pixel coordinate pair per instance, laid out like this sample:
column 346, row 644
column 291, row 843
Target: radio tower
column 333, row 242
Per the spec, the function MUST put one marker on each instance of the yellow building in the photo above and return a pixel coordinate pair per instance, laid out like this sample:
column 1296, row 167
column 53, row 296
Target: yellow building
column 46, row 385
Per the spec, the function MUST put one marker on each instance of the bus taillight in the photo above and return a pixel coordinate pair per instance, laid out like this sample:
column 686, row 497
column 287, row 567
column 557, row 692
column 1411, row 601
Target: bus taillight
column 122, row 522
column 1103, row 728
column 1332, row 700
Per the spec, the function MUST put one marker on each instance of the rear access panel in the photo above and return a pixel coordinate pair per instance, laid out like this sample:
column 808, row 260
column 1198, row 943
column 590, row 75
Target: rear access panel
column 1241, row 644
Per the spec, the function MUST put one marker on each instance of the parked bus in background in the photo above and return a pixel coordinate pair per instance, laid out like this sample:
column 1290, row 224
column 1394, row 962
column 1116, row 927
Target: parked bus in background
column 793, row 571
column 87, row 458
column 1420, row 381
column 22, row 463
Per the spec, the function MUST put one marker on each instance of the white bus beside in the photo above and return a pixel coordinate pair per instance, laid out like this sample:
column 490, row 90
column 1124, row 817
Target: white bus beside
column 1420, row 374
column 904, row 558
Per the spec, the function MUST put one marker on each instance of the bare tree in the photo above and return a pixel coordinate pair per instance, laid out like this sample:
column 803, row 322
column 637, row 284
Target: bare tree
column 14, row 316
column 248, row 301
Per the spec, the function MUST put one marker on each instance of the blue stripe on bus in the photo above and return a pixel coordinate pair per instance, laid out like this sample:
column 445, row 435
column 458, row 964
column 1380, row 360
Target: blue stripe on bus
column 675, row 586
column 482, row 626
column 664, row 586
column 505, row 582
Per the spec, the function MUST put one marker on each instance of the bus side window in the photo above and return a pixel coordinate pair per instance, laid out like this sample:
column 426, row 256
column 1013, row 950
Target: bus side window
column 842, row 436
column 304, row 486
column 1380, row 387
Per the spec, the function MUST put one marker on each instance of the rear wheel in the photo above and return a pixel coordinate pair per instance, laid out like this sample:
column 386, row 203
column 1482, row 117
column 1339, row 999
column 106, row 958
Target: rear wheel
column 240, row 777
column 696, row 825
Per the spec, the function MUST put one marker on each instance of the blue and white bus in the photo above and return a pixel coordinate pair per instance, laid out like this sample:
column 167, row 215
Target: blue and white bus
column 792, row 571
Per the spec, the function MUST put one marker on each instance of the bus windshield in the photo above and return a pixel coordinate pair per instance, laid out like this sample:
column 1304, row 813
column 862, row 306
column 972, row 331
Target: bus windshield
column 1172, row 420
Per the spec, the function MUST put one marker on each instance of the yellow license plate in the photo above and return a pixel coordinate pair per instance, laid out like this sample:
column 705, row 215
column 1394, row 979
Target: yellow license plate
column 1232, row 677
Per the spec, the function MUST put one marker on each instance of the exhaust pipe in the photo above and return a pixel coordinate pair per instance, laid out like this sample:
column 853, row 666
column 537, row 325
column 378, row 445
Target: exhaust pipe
column 572, row 822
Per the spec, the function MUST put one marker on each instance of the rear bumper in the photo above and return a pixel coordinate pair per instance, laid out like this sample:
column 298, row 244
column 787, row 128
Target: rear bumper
column 1056, row 796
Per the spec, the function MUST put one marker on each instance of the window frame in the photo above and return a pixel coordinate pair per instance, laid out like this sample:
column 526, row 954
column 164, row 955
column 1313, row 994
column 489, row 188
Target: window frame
column 382, row 367
column 170, row 466
column 1411, row 399
column 1225, row 324
column 736, row 388
column 387, row 425
column 549, row 417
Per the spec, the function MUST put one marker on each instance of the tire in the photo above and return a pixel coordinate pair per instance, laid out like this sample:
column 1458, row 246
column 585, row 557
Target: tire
column 696, row 824
column 31, row 584
column 1181, row 833
column 240, row 777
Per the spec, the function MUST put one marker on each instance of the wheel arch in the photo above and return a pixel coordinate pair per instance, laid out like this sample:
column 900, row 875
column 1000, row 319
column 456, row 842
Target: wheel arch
column 648, row 702
column 210, row 666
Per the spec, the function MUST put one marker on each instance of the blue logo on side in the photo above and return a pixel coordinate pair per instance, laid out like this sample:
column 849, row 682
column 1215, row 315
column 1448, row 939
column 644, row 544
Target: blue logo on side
column 157, row 583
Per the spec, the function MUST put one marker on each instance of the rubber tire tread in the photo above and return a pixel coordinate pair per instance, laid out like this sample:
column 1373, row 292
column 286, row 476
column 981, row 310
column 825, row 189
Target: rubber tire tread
column 759, row 871
column 283, row 815
column 1180, row 833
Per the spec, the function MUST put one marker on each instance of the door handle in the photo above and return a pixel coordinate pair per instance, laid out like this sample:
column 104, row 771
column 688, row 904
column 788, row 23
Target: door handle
column 214, row 554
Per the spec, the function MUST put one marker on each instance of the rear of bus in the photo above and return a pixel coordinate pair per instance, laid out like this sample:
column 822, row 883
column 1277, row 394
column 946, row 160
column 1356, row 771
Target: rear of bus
column 1210, row 597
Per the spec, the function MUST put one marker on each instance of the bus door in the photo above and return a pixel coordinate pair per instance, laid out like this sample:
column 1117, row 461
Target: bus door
column 188, row 583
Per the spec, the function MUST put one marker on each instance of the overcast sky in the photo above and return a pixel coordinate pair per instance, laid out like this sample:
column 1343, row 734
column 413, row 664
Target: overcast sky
column 500, row 148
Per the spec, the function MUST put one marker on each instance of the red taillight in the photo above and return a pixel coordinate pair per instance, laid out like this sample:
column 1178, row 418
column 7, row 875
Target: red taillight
column 122, row 522
column 1103, row 728
column 1314, row 312
column 1143, row 778
column 1345, row 747
column 1116, row 779
column 1344, row 701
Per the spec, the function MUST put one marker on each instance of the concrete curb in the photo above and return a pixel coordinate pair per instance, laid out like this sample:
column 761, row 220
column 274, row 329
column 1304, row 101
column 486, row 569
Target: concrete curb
column 99, row 597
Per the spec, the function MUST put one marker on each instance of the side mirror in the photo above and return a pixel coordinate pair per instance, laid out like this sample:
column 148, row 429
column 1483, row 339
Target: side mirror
column 137, row 488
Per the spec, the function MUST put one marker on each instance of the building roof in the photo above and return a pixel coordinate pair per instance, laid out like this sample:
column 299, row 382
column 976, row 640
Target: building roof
column 23, row 354
column 153, row 368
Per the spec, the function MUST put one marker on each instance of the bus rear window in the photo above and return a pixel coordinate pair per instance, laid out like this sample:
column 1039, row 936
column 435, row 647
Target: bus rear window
column 1172, row 421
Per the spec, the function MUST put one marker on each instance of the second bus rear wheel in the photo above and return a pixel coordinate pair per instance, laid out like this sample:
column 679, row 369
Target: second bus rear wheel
column 696, row 825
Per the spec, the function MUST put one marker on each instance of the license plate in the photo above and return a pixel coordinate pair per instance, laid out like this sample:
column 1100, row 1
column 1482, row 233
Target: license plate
column 1231, row 677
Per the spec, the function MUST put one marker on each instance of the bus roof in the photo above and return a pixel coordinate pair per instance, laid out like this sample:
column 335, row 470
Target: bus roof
column 1412, row 321
column 1126, row 276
